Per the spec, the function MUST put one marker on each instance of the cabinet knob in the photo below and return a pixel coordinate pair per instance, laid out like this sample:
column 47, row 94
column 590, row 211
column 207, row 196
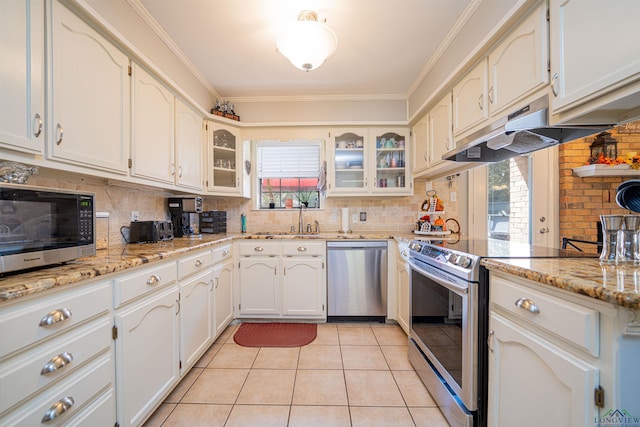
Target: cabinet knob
column 153, row 279
column 55, row 316
column 302, row 249
column 258, row 249
column 225, row 253
column 199, row 262
column 527, row 304
column 58, row 408
column 57, row 362
column 38, row 125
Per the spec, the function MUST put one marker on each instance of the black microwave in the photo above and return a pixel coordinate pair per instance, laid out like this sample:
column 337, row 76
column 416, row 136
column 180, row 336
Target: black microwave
column 42, row 226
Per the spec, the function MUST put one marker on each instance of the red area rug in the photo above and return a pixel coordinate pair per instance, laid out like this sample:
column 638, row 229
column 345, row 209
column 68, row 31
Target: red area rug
column 275, row 334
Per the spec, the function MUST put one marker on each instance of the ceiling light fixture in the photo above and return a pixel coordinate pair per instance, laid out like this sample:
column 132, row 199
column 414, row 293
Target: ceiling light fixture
column 307, row 43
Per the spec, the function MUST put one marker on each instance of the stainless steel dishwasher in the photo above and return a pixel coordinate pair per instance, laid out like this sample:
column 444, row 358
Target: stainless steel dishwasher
column 357, row 280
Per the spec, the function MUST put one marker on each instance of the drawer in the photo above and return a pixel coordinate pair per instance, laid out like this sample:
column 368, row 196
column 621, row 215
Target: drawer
column 571, row 322
column 222, row 253
column 100, row 412
column 134, row 285
column 194, row 263
column 26, row 373
column 28, row 322
column 303, row 247
column 78, row 389
column 260, row 248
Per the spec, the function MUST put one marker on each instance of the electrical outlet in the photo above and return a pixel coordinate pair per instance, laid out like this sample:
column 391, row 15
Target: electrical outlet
column 135, row 216
column 333, row 217
column 354, row 218
column 454, row 196
column 363, row 217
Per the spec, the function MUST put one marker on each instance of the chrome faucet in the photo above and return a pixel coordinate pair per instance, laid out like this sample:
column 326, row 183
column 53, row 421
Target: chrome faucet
column 317, row 224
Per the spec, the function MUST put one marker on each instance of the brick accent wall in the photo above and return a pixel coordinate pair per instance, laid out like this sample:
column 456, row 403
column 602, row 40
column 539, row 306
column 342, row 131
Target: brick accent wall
column 583, row 200
column 519, row 199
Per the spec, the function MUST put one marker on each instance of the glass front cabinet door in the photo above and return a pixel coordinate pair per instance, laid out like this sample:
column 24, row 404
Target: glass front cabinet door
column 348, row 170
column 224, row 147
column 391, row 162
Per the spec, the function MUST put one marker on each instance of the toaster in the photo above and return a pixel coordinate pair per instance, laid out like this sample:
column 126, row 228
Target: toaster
column 150, row 231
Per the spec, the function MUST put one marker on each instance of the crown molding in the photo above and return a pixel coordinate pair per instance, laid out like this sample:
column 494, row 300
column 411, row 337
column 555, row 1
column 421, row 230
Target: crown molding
column 317, row 98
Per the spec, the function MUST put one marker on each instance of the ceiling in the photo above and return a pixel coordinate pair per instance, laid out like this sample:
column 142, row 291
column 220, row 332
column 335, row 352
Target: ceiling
column 384, row 46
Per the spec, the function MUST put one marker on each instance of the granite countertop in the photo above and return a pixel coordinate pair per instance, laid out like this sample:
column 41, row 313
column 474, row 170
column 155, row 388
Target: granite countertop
column 122, row 257
column 617, row 284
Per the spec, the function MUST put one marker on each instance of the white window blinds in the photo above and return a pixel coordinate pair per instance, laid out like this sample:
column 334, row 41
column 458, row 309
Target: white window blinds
column 292, row 159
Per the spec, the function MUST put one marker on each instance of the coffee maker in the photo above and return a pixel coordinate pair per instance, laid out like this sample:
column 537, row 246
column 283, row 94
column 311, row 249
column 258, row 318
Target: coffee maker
column 185, row 213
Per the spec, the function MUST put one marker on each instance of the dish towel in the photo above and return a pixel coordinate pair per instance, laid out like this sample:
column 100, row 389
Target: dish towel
column 322, row 179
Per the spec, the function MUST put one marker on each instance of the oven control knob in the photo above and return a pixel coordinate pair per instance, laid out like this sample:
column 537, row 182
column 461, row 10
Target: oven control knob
column 464, row 261
column 453, row 258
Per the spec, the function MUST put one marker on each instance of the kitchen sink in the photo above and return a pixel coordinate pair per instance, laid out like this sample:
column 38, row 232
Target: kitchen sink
column 286, row 233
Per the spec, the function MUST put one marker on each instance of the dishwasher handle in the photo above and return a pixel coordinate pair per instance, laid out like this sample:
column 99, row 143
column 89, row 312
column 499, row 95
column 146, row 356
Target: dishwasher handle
column 349, row 245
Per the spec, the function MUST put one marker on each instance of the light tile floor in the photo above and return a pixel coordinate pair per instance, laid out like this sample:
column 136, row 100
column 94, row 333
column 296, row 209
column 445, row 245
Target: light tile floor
column 353, row 374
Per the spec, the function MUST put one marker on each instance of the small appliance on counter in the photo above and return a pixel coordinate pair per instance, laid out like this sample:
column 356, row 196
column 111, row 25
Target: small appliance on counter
column 150, row 231
column 185, row 215
column 213, row 222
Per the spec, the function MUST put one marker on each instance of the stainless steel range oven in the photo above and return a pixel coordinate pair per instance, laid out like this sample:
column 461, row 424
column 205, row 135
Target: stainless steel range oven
column 448, row 317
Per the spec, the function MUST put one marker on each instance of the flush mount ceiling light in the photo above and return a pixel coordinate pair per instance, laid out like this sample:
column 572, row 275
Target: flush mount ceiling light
column 307, row 43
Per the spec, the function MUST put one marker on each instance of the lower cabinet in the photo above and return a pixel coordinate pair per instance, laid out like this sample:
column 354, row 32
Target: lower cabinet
column 282, row 279
column 147, row 354
column 222, row 296
column 403, row 273
column 196, row 318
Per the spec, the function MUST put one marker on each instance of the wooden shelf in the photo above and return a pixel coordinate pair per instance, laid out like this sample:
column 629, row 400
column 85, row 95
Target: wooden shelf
column 605, row 170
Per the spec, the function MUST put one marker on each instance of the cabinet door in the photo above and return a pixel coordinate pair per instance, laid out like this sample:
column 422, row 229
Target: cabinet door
column 420, row 132
column 440, row 135
column 531, row 381
column 402, row 279
column 147, row 355
column 259, row 289
column 196, row 318
column 90, row 96
column 389, row 161
column 22, row 71
column 189, row 147
column 222, row 159
column 223, row 284
column 304, row 287
column 470, row 100
column 587, row 59
column 518, row 65
column 152, row 143
column 347, row 165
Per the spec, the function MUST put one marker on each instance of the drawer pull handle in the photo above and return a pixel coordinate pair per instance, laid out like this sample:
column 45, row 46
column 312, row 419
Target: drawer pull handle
column 258, row 249
column 55, row 316
column 490, row 339
column 199, row 262
column 57, row 362
column 225, row 253
column 153, row 279
column 527, row 304
column 38, row 126
column 58, row 408
column 302, row 249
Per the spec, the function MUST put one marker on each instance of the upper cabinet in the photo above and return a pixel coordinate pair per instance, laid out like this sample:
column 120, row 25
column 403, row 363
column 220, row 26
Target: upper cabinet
column 595, row 69
column 152, row 142
column 363, row 161
column 225, row 161
column 22, row 75
column 514, row 69
column 440, row 130
column 89, row 106
column 189, row 146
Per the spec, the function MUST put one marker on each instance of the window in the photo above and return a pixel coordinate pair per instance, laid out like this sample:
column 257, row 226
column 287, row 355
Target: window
column 288, row 174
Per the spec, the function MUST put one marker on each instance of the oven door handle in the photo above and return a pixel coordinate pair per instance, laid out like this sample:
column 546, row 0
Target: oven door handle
column 441, row 279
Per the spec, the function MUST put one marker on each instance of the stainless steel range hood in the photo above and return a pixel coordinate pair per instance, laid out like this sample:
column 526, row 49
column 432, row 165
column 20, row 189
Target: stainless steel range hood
column 522, row 131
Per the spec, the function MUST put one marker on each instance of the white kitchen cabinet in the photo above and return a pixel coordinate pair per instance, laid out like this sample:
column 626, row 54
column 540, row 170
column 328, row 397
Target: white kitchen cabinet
column 89, row 106
column 403, row 277
column 589, row 61
column 189, row 147
column 147, row 354
column 440, row 130
column 152, row 117
column 196, row 318
column 22, row 85
column 518, row 65
column 224, row 159
column 420, row 136
column 365, row 161
column 282, row 279
column 558, row 341
column 470, row 101
column 222, row 288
